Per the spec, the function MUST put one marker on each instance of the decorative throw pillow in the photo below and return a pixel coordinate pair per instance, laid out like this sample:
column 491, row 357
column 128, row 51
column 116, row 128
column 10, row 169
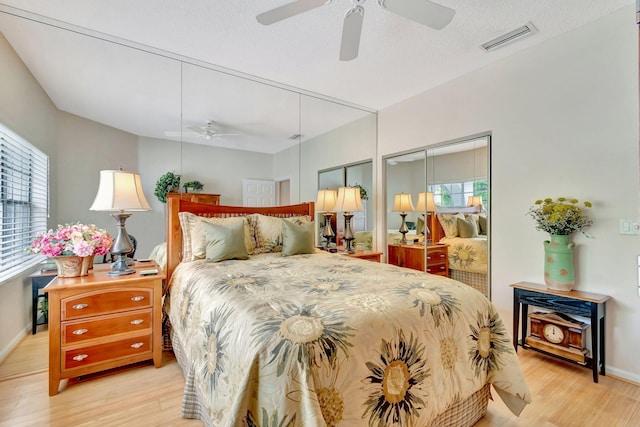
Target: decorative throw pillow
column 193, row 238
column 467, row 227
column 420, row 226
column 224, row 241
column 268, row 231
column 482, row 222
column 450, row 223
column 297, row 239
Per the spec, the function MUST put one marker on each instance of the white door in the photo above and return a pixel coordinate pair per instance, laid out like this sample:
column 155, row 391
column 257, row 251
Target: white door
column 258, row 192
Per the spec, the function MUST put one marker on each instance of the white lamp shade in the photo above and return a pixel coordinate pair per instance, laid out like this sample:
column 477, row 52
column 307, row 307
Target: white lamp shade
column 426, row 202
column 474, row 201
column 348, row 200
column 120, row 191
column 403, row 203
column 326, row 200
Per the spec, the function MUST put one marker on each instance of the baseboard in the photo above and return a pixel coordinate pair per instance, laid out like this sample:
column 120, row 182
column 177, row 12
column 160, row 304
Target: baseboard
column 623, row 375
column 13, row 344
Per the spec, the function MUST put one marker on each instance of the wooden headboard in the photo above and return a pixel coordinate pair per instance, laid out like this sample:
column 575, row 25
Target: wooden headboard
column 176, row 205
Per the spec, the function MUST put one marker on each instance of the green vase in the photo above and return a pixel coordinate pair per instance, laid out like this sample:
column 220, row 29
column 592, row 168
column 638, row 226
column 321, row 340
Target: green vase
column 558, row 263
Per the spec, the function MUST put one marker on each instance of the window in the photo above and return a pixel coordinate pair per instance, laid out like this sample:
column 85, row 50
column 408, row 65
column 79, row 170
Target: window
column 456, row 194
column 24, row 196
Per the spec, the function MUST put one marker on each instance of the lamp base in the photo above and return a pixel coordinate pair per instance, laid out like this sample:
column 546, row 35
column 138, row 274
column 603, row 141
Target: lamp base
column 120, row 267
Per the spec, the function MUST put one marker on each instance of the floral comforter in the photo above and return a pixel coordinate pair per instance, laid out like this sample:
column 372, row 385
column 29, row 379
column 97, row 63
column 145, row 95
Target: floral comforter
column 324, row 339
column 467, row 254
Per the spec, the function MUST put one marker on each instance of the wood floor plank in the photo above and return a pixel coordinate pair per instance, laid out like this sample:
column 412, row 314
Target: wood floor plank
column 564, row 395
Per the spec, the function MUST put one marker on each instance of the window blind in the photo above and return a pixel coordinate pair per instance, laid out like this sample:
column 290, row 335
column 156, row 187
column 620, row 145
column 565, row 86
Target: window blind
column 24, row 197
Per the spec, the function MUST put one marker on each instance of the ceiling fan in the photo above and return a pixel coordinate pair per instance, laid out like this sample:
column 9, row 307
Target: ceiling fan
column 421, row 11
column 207, row 131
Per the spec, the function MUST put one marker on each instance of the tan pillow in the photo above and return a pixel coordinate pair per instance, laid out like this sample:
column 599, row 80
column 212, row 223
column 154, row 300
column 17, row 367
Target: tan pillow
column 193, row 236
column 268, row 231
column 450, row 223
column 482, row 224
column 467, row 227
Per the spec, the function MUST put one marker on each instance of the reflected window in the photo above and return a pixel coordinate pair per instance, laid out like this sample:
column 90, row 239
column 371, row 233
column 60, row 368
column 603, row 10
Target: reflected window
column 456, row 194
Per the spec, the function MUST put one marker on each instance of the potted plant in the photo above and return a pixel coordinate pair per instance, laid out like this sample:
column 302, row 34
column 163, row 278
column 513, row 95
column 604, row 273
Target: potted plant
column 363, row 191
column 194, row 186
column 167, row 183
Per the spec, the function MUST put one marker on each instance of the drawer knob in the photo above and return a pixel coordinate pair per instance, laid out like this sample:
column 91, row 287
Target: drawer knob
column 80, row 331
column 428, row 257
column 137, row 298
column 80, row 357
column 137, row 321
column 137, row 345
column 80, row 306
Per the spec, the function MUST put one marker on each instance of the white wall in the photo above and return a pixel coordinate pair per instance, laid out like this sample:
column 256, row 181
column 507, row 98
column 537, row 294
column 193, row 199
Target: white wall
column 564, row 120
column 27, row 111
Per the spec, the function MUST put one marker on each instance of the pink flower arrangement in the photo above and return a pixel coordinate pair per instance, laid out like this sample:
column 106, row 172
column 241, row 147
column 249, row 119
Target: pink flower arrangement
column 77, row 239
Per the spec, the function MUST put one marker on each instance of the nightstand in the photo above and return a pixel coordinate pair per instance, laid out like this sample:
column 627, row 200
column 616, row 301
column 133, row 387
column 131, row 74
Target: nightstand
column 367, row 254
column 412, row 256
column 99, row 322
column 39, row 280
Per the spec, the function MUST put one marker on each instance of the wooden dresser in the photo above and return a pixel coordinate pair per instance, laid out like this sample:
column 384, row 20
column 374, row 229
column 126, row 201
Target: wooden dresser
column 412, row 256
column 99, row 322
column 210, row 199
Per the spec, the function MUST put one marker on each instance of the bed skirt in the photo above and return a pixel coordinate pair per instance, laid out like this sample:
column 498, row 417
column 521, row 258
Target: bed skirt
column 477, row 281
column 461, row 414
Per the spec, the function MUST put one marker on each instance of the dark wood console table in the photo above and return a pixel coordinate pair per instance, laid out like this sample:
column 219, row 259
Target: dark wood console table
column 577, row 303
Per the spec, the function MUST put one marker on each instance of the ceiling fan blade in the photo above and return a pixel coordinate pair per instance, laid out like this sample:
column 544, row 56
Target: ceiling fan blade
column 421, row 11
column 194, row 128
column 290, row 9
column 351, row 30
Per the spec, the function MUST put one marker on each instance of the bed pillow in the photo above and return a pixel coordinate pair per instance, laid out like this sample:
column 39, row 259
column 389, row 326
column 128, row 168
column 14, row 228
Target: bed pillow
column 467, row 227
column 449, row 223
column 268, row 231
column 482, row 223
column 224, row 242
column 420, row 226
column 297, row 239
column 193, row 239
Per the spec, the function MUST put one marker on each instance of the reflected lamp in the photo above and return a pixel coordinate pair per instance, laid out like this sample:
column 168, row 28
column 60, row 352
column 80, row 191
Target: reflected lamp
column 120, row 192
column 348, row 201
column 402, row 203
column 326, row 203
column 426, row 204
column 474, row 201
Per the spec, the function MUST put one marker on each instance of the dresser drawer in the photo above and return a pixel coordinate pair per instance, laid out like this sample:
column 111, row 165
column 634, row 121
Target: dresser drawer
column 436, row 255
column 104, row 326
column 439, row 268
column 90, row 355
column 105, row 302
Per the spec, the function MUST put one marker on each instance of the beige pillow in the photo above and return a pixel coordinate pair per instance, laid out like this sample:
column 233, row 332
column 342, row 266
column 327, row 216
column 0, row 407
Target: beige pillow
column 297, row 239
column 193, row 238
column 268, row 231
column 467, row 227
column 450, row 223
column 482, row 224
column 223, row 242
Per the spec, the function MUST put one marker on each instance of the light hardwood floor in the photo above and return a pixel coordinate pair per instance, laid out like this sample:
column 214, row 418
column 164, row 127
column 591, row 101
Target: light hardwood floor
column 563, row 396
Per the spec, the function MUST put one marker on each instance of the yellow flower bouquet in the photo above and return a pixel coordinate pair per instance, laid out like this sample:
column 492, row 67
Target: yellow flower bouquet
column 561, row 216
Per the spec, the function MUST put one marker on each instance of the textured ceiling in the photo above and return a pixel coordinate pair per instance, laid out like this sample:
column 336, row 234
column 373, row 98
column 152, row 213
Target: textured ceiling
column 398, row 58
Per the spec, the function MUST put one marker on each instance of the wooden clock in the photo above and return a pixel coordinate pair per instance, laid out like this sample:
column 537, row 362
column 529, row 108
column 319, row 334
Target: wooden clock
column 558, row 334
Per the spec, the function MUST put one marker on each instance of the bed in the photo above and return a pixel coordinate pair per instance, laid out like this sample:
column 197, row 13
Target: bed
column 314, row 339
column 464, row 231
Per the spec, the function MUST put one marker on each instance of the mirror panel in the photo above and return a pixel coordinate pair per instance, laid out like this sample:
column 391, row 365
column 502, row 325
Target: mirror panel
column 454, row 173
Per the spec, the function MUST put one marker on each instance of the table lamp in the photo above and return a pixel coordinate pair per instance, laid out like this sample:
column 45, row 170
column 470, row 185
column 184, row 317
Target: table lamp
column 402, row 203
column 426, row 204
column 326, row 203
column 120, row 191
column 348, row 201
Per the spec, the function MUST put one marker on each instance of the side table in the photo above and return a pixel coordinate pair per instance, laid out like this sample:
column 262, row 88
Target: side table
column 39, row 280
column 577, row 303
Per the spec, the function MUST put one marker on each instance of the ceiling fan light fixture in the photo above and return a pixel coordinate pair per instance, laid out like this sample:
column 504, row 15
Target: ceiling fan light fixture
column 510, row 37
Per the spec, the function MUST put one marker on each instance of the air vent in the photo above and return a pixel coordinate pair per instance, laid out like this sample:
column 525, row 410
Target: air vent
column 511, row 36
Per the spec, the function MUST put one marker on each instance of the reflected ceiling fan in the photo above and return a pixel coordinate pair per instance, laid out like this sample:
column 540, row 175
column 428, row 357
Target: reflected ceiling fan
column 207, row 131
column 423, row 12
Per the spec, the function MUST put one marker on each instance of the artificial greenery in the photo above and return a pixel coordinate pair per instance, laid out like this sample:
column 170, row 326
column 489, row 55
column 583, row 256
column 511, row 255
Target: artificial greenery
column 193, row 185
column 166, row 183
